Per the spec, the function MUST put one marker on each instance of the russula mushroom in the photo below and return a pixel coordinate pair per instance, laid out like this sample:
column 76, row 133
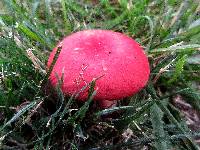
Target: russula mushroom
column 117, row 58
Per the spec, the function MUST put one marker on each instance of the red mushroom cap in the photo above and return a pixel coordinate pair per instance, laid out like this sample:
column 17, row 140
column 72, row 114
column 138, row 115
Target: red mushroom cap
column 89, row 54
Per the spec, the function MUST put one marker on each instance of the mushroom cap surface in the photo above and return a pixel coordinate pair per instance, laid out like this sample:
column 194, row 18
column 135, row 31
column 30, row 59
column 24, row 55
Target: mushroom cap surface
column 117, row 59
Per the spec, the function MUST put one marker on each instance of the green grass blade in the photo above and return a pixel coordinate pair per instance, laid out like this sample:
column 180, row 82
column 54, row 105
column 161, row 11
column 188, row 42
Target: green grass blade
column 111, row 110
column 178, row 69
column 188, row 142
column 20, row 113
column 158, row 127
column 66, row 20
column 176, row 48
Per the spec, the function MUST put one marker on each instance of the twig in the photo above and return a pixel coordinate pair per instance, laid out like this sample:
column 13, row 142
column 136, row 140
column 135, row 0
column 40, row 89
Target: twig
column 162, row 70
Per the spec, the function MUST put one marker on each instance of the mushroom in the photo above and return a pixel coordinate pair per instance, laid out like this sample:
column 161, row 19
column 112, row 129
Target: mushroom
column 117, row 59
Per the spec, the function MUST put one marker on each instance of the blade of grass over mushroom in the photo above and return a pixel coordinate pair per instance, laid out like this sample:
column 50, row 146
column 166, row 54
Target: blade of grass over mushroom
column 70, row 101
column 54, row 61
column 74, row 96
column 82, row 111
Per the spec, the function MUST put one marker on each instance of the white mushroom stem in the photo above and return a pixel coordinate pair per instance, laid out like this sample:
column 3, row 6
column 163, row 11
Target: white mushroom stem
column 107, row 104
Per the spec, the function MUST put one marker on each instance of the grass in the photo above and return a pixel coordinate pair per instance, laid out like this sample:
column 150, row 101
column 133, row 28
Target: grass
column 33, row 116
